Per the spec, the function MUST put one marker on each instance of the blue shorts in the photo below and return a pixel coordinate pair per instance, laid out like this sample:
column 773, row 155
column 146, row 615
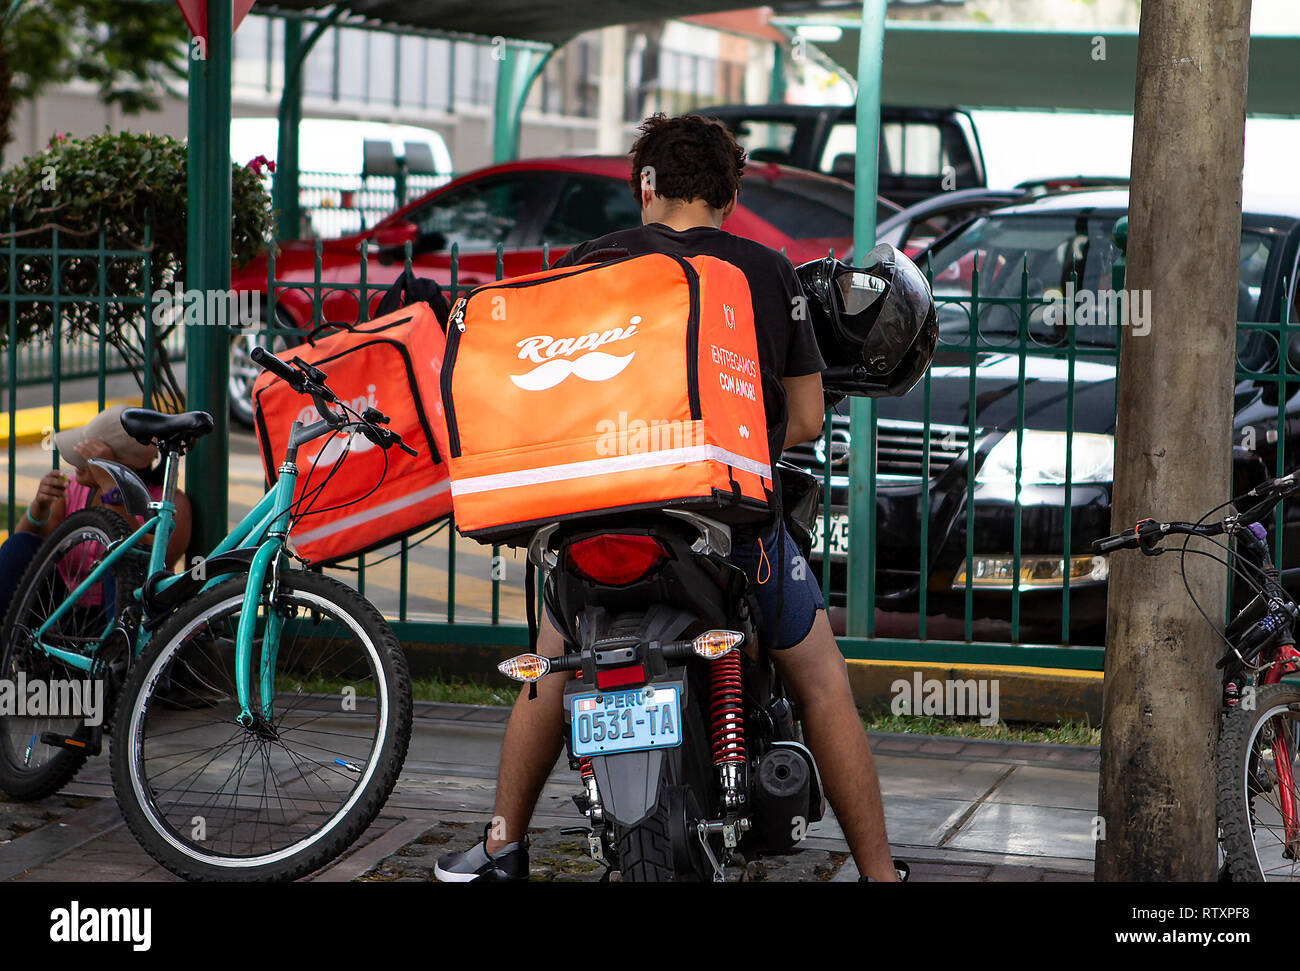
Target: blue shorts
column 800, row 596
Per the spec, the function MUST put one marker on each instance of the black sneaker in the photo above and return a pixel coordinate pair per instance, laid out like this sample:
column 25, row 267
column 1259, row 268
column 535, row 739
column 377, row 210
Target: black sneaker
column 900, row 867
column 508, row 863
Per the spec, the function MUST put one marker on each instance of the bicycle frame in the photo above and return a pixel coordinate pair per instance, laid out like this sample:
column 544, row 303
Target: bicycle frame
column 269, row 517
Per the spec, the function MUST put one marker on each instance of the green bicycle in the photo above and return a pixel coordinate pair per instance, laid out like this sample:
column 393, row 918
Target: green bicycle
column 260, row 713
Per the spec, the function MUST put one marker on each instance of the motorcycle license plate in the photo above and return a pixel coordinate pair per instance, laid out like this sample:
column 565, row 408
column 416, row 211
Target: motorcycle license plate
column 608, row 722
column 839, row 536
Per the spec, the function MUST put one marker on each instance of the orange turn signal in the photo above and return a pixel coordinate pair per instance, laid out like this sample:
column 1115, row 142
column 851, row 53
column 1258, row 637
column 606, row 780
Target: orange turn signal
column 713, row 644
column 525, row 667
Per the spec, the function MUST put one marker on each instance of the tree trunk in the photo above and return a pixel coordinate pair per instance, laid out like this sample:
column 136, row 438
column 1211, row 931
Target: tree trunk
column 1173, row 439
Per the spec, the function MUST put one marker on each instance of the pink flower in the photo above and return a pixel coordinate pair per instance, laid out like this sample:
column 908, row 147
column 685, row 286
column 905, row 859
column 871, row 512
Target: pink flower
column 260, row 163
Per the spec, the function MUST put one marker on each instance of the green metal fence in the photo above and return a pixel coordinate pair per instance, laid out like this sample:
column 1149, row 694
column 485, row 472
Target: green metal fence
column 61, row 304
column 981, row 555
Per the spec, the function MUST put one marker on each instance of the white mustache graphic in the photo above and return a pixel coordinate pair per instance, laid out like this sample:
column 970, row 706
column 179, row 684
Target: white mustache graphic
column 595, row 366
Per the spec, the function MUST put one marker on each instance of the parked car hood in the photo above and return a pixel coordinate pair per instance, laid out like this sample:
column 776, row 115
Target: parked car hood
column 996, row 401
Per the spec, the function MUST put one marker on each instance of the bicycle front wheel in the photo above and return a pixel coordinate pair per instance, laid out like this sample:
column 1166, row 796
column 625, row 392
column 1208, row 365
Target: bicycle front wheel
column 212, row 799
column 1256, row 785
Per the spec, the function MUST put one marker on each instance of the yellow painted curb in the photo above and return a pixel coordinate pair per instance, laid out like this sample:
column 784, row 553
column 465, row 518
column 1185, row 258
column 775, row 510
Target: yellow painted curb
column 1029, row 694
column 985, row 668
column 33, row 424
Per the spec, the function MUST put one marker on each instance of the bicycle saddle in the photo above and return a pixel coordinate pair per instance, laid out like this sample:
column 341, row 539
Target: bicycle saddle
column 148, row 427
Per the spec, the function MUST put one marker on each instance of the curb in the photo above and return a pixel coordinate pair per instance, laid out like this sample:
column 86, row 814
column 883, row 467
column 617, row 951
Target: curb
column 32, row 424
column 1028, row 694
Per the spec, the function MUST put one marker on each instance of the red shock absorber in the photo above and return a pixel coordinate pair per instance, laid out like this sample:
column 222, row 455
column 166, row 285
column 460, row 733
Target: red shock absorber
column 727, row 713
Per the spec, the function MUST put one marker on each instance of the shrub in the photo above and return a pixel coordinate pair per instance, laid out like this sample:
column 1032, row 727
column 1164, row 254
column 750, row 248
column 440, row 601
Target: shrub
column 126, row 191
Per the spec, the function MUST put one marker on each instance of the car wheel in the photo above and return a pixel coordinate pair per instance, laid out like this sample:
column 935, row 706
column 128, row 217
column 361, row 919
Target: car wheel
column 243, row 372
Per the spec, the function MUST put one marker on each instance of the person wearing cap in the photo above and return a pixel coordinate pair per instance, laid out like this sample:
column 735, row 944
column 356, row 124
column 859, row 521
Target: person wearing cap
column 59, row 495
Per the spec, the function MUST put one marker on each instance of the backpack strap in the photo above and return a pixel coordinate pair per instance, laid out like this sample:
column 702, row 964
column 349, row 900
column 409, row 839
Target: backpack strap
column 408, row 289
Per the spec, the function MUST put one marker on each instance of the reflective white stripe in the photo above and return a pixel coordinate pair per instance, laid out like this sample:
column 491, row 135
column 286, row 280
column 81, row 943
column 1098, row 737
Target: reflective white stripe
column 621, row 463
column 375, row 512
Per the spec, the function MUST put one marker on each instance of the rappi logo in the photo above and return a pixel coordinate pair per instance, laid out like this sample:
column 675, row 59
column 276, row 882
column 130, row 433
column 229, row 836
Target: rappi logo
column 552, row 354
column 335, row 445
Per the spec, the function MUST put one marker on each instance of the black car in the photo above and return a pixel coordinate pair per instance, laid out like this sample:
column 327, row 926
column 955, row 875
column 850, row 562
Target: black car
column 1029, row 256
column 923, row 151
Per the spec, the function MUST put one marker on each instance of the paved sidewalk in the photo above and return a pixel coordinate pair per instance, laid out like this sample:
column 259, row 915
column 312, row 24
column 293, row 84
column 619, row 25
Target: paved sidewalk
column 956, row 809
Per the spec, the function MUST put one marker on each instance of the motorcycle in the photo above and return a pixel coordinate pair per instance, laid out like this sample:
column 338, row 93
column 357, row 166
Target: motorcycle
column 687, row 746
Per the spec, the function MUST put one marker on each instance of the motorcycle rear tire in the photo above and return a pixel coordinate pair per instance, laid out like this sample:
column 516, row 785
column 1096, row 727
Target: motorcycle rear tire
column 646, row 852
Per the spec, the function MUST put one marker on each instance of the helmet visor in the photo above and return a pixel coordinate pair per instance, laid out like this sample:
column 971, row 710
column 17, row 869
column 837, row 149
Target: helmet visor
column 859, row 291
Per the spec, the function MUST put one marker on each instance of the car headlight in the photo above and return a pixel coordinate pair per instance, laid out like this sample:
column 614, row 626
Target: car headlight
column 1043, row 460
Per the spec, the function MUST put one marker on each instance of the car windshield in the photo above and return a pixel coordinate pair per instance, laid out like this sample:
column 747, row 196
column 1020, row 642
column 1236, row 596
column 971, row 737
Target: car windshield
column 805, row 208
column 1047, row 259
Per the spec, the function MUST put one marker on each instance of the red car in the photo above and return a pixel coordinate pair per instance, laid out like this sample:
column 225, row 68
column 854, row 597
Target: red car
column 518, row 206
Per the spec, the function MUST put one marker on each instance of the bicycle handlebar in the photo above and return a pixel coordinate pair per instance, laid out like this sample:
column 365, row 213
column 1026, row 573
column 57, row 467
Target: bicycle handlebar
column 1147, row 533
column 265, row 359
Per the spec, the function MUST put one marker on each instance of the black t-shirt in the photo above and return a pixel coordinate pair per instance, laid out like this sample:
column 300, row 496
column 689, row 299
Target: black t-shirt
column 787, row 347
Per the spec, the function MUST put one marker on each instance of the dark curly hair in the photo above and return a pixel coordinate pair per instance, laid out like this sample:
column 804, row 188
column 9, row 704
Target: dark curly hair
column 692, row 157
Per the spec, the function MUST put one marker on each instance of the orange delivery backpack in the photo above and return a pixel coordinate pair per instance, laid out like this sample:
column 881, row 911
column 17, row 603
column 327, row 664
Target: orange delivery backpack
column 620, row 386
column 390, row 363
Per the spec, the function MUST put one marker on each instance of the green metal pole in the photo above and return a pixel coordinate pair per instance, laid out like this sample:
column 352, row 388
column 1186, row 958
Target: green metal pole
column 290, row 117
column 208, row 269
column 516, row 72
column 285, row 195
column 505, row 130
column 776, row 84
column 862, row 411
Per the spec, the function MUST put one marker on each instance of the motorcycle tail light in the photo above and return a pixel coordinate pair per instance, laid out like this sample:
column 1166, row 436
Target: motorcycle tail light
column 712, row 644
column 525, row 667
column 616, row 559
column 617, row 677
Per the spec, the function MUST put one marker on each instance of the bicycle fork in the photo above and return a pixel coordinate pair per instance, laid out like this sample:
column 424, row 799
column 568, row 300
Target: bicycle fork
column 1286, row 662
column 266, row 558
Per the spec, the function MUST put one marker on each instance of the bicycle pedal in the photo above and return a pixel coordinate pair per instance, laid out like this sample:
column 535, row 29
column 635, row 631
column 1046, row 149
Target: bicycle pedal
column 91, row 746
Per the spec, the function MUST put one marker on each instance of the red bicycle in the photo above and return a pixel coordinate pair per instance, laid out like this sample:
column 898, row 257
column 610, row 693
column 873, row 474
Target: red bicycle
column 1259, row 729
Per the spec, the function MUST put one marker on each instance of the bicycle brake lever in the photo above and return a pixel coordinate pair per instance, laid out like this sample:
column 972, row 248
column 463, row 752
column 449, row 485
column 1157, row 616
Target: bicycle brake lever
column 316, row 374
column 1149, row 533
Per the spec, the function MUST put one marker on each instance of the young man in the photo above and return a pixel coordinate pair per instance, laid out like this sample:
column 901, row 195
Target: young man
column 686, row 175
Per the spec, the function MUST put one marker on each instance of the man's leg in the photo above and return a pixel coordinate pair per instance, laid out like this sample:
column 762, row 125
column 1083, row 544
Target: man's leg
column 533, row 742
column 815, row 672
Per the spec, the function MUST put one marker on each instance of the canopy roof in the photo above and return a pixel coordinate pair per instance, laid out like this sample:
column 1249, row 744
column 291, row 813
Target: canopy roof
column 926, row 62
column 934, row 63
column 543, row 21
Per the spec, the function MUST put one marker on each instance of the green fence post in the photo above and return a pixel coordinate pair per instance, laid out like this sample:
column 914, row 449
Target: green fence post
column 285, row 185
column 861, row 585
column 776, row 84
column 207, row 269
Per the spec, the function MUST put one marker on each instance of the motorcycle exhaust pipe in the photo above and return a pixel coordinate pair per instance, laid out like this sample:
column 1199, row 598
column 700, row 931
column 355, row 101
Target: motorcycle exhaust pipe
column 781, row 799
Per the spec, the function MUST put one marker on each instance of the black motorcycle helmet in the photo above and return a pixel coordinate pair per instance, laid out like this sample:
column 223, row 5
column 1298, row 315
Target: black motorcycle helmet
column 876, row 323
